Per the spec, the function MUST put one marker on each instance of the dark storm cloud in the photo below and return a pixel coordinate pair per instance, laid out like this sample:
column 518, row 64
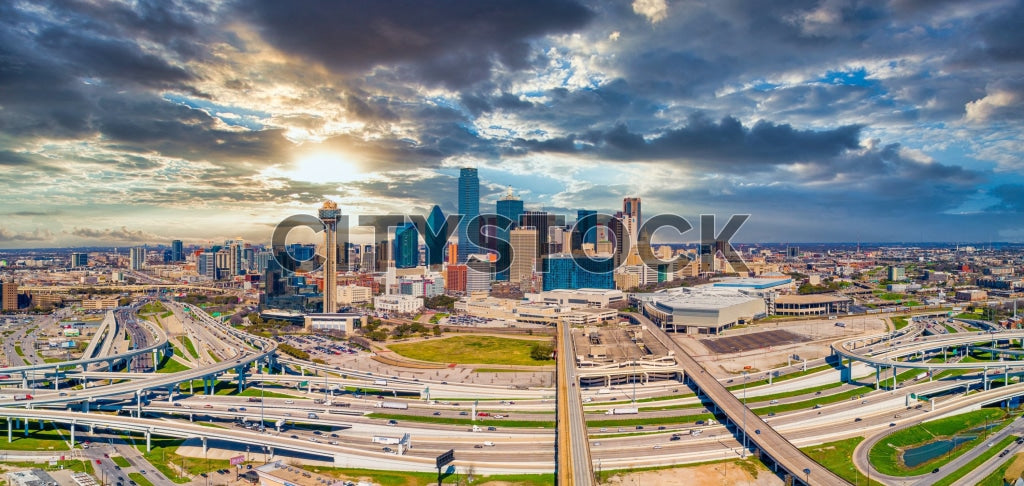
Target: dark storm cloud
column 1011, row 198
column 722, row 144
column 454, row 42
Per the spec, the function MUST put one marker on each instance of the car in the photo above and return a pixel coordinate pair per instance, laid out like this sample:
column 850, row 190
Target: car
column 639, row 427
column 177, row 404
column 335, row 436
column 386, row 449
column 865, row 402
column 463, row 413
column 597, row 443
column 116, row 467
column 99, row 461
column 444, row 382
column 817, row 393
column 771, row 414
column 935, row 470
column 142, row 471
column 657, row 446
column 892, row 424
column 289, row 402
column 232, row 409
column 132, row 482
column 661, row 427
column 817, row 406
column 675, row 437
column 437, row 413
column 603, row 429
column 317, row 432
column 293, row 436
column 207, row 406
column 858, row 419
column 757, row 432
column 333, row 442
column 773, row 402
column 990, row 444
column 699, row 422
column 492, row 429
column 106, row 456
column 248, row 466
column 392, row 422
column 241, row 409
column 613, row 399
column 478, row 446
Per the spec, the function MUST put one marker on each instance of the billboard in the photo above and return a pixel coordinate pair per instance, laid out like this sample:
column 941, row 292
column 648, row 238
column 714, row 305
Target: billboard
column 234, row 461
column 445, row 458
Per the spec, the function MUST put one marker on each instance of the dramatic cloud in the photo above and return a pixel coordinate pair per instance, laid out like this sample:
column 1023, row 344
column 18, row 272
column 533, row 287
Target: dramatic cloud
column 204, row 120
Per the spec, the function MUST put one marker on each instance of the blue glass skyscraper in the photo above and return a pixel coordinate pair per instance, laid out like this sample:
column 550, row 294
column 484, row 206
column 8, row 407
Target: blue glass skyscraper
column 435, row 247
column 406, row 247
column 469, row 208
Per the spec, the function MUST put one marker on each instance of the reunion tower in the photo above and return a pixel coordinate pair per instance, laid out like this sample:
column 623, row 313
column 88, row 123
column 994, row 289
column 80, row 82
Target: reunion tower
column 329, row 214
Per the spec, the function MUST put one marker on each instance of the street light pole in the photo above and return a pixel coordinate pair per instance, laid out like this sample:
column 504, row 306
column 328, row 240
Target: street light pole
column 744, row 454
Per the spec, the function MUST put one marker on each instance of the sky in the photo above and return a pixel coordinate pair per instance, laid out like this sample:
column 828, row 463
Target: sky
column 826, row 121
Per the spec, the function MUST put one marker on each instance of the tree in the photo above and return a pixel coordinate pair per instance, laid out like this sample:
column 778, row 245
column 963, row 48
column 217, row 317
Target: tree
column 542, row 351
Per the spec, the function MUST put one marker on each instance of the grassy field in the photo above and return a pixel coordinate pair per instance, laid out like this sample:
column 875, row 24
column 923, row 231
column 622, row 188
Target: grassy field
column 472, row 350
column 837, row 457
column 140, row 479
column 37, row 440
column 974, row 463
column 822, row 400
column 154, row 307
column 18, row 351
column 400, row 478
column 785, row 377
column 169, row 365
column 189, row 347
column 900, row 322
column 164, row 453
column 254, row 391
column 1001, row 473
column 120, row 461
column 885, row 455
column 77, row 466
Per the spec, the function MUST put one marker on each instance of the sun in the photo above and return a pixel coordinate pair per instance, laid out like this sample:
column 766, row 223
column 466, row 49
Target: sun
column 324, row 167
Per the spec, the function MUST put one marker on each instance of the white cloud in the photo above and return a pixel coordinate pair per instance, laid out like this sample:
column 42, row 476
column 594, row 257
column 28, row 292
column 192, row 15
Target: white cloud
column 654, row 10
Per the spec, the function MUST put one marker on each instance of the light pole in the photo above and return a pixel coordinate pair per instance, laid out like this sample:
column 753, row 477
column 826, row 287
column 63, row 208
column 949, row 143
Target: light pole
column 744, row 453
column 262, row 428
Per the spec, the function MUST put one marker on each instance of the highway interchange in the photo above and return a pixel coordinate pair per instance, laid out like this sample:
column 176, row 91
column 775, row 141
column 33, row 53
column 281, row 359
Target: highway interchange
column 519, row 449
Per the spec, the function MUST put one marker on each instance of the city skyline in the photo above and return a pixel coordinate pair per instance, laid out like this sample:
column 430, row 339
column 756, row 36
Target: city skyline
column 825, row 121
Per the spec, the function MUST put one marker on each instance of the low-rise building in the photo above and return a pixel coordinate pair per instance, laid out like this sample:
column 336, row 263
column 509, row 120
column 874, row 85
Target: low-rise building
column 354, row 294
column 32, row 477
column 700, row 310
column 811, row 305
column 972, row 295
column 99, row 303
column 402, row 304
column 580, row 297
column 343, row 322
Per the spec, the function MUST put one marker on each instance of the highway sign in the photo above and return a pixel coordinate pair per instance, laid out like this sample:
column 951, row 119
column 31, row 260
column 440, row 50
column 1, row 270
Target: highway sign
column 234, row 461
column 445, row 458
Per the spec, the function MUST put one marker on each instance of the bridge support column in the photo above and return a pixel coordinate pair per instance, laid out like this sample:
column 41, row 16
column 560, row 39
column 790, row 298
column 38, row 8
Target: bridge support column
column 190, row 390
column 805, row 364
column 85, row 406
column 56, row 379
column 204, row 445
column 72, row 427
column 138, row 403
column 149, row 436
column 9, row 431
column 110, row 366
column 985, row 378
column 170, row 394
column 156, row 359
column 929, row 375
column 878, row 375
column 1006, row 376
column 271, row 450
column 770, row 375
column 893, row 377
column 190, row 417
column 26, row 427
column 240, row 372
column 24, row 380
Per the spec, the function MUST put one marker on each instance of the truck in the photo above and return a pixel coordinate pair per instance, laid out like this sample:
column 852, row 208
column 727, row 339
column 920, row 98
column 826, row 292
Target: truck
column 22, row 397
column 921, row 375
column 623, row 411
column 712, row 422
column 380, row 439
column 394, row 405
column 255, row 399
column 380, row 382
column 488, row 443
column 341, row 404
column 840, row 324
column 695, row 431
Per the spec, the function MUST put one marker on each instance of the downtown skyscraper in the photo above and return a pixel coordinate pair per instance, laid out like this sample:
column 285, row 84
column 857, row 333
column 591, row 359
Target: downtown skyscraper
column 469, row 208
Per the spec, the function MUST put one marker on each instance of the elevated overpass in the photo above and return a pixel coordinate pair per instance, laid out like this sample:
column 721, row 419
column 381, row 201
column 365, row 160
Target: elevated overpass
column 573, row 465
column 772, row 445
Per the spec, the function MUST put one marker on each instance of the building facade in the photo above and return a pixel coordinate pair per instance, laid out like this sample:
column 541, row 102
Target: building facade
column 469, row 208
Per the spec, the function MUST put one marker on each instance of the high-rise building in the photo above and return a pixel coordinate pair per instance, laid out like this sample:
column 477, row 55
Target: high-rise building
column 177, row 253
column 207, row 265
column 455, row 278
column 453, row 253
column 479, row 273
column 469, row 208
column 8, row 296
column 406, row 245
column 585, row 230
column 329, row 214
column 137, row 258
column 435, row 246
column 524, row 250
column 511, row 207
column 897, row 273
column 793, row 252
column 542, row 222
column 79, row 259
column 631, row 215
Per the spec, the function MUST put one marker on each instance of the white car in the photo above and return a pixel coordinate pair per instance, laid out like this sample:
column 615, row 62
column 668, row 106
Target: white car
column 289, row 402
